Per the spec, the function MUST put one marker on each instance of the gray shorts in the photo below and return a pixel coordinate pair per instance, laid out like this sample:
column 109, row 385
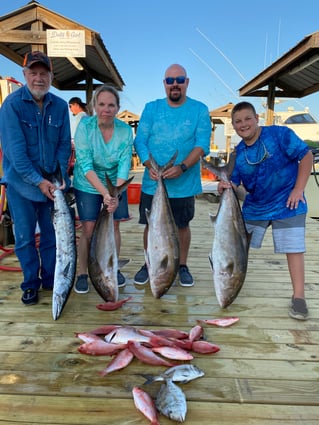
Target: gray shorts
column 288, row 234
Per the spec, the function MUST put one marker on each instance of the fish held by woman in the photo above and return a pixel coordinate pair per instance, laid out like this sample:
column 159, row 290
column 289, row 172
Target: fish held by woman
column 103, row 261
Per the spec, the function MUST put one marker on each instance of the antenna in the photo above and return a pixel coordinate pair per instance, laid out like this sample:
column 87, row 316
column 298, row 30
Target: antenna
column 214, row 72
column 224, row 56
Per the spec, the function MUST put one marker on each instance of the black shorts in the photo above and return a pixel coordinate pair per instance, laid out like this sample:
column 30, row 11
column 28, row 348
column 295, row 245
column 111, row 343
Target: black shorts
column 183, row 209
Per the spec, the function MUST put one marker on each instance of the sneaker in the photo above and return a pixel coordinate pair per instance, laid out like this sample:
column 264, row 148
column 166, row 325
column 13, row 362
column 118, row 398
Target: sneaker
column 120, row 279
column 30, row 297
column 81, row 285
column 185, row 278
column 298, row 309
column 141, row 276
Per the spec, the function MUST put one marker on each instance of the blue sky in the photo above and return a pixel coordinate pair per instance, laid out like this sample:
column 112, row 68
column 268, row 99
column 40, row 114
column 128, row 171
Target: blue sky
column 222, row 45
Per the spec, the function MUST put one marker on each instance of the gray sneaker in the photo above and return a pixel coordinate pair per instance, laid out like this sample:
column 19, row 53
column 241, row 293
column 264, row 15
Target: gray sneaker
column 81, row 285
column 298, row 309
column 141, row 276
column 185, row 278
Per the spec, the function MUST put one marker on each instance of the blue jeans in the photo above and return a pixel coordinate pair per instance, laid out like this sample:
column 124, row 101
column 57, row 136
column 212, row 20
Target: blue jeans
column 37, row 263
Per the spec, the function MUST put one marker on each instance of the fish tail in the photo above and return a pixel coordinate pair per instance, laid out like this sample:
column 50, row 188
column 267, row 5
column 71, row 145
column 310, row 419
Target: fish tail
column 161, row 168
column 223, row 172
column 55, row 176
column 149, row 379
column 116, row 190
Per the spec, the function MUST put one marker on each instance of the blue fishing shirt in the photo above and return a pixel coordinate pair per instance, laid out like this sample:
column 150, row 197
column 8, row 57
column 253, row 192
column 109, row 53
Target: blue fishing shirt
column 270, row 182
column 33, row 140
column 93, row 154
column 162, row 131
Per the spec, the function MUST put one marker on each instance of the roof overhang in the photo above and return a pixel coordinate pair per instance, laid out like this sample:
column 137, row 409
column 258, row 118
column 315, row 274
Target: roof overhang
column 24, row 30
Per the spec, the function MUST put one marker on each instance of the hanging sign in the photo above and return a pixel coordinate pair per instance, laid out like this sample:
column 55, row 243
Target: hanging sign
column 66, row 43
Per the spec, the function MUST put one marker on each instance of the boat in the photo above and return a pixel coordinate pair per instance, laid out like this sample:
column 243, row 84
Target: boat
column 303, row 123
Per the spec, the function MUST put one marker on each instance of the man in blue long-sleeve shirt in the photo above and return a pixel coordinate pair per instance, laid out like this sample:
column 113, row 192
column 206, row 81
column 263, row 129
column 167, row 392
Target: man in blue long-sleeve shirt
column 35, row 136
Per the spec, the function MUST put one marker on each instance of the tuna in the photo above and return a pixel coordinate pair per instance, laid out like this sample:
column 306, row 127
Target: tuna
column 103, row 261
column 162, row 254
column 229, row 255
column 65, row 266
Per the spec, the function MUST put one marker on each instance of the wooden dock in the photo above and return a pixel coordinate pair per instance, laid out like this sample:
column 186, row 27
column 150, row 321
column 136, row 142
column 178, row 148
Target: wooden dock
column 266, row 372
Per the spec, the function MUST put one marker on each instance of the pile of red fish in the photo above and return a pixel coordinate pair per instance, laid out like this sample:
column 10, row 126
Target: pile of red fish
column 160, row 347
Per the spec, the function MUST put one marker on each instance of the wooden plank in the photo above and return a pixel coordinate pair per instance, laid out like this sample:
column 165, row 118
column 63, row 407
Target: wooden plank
column 265, row 372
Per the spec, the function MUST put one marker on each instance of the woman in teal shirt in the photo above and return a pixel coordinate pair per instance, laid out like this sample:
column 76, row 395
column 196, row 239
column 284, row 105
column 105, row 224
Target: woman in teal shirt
column 103, row 145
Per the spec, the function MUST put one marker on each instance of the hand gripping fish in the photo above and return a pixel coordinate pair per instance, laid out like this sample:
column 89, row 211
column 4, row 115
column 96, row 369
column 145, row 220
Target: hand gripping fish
column 229, row 255
column 162, row 254
column 103, row 262
column 65, row 266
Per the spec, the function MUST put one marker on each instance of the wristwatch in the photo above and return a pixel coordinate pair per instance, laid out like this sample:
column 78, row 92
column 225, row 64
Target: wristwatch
column 183, row 167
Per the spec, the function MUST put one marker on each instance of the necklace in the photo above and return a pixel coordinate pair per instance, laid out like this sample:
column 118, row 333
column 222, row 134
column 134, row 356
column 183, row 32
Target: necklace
column 264, row 154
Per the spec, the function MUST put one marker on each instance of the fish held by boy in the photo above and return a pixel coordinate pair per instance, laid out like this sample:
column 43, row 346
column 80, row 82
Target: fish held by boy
column 229, row 255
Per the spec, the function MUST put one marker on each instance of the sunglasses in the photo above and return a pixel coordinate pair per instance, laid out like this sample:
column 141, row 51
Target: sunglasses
column 179, row 80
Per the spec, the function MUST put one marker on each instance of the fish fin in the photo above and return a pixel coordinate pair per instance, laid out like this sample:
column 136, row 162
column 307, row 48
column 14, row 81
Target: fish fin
column 164, row 263
column 212, row 218
column 123, row 262
column 223, row 172
column 211, row 262
column 111, row 262
column 66, row 269
column 147, row 213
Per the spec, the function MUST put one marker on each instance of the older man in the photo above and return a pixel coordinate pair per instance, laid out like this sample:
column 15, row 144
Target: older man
column 35, row 136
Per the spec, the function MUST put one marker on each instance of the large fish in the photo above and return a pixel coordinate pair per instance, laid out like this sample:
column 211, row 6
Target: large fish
column 65, row 266
column 162, row 254
column 229, row 255
column 103, row 263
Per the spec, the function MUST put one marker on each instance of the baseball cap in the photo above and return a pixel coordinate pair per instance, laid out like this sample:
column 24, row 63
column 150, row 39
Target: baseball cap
column 76, row 100
column 37, row 57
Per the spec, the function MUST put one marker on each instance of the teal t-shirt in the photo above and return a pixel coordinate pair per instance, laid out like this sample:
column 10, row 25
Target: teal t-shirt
column 164, row 130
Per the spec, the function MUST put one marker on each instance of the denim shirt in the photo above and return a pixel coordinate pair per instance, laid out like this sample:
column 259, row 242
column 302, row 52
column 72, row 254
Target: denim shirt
column 33, row 140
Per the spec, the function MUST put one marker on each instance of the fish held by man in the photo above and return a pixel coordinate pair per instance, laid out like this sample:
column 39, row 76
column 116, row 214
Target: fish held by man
column 103, row 261
column 65, row 266
column 229, row 255
column 162, row 254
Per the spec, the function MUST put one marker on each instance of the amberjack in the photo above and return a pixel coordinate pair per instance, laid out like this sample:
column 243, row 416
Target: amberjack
column 103, row 262
column 162, row 254
column 229, row 254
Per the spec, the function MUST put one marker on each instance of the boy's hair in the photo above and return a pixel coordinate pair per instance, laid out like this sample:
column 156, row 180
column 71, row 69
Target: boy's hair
column 243, row 105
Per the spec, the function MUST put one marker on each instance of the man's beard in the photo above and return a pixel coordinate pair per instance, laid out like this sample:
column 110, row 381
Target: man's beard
column 176, row 97
column 39, row 94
